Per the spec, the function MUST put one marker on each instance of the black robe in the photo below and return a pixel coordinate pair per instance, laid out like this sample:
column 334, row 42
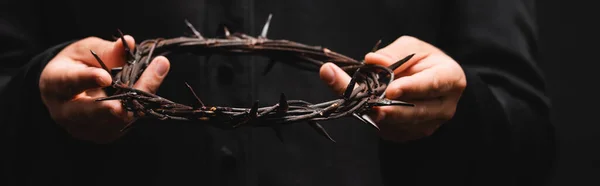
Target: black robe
column 500, row 135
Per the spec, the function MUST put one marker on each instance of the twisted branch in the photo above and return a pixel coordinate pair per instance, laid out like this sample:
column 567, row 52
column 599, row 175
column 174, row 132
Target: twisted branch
column 365, row 91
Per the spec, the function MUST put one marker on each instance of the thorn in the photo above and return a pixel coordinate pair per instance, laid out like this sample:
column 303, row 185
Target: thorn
column 115, row 97
column 227, row 34
column 283, row 104
column 265, row 29
column 320, row 130
column 254, row 110
column 401, row 62
column 388, row 102
column 376, row 46
column 401, row 103
column 125, row 45
column 269, row 67
column 366, row 119
column 351, row 85
column 193, row 29
column 195, row 95
column 100, row 61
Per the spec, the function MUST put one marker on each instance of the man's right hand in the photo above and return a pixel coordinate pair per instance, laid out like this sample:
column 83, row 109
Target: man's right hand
column 72, row 81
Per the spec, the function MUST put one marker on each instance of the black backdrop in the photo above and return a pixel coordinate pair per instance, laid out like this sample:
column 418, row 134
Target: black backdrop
column 569, row 36
column 569, row 39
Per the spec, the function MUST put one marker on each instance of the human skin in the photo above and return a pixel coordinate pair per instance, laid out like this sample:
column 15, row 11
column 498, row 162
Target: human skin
column 73, row 79
column 432, row 80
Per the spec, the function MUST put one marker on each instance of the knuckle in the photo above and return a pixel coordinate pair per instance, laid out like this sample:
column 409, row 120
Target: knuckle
column 436, row 84
column 44, row 86
column 461, row 84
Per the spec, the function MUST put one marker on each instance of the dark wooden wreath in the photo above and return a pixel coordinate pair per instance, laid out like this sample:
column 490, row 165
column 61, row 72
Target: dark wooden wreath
column 365, row 91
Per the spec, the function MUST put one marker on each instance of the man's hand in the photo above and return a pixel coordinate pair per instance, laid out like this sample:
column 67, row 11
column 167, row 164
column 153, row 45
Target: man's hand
column 431, row 80
column 73, row 79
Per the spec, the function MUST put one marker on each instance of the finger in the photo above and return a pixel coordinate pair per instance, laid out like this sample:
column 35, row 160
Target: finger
column 427, row 110
column 111, row 53
column 154, row 75
column 96, row 121
column 429, row 83
column 403, row 70
column 335, row 77
column 72, row 80
column 399, row 49
column 407, row 123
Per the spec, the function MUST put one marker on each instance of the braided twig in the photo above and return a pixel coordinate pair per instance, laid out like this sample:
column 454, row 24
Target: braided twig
column 365, row 91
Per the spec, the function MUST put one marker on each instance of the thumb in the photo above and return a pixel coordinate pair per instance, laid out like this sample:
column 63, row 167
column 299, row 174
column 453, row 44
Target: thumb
column 335, row 77
column 153, row 76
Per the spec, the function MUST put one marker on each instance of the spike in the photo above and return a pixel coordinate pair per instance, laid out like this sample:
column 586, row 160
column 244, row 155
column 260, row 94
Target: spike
column 351, row 85
column 400, row 103
column 115, row 97
column 376, row 47
column 269, row 67
column 283, row 104
column 227, row 34
column 320, row 130
column 125, row 45
column 366, row 119
column 401, row 62
column 254, row 110
column 193, row 29
column 100, row 61
column 195, row 95
column 265, row 29
column 388, row 102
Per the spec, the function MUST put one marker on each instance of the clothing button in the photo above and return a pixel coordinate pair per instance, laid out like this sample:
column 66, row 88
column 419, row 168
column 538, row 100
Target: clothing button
column 225, row 74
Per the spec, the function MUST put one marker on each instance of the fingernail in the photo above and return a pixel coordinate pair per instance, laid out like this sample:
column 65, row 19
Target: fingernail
column 161, row 68
column 329, row 75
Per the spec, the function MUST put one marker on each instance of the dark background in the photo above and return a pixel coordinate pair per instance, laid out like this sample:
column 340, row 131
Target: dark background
column 569, row 44
column 569, row 39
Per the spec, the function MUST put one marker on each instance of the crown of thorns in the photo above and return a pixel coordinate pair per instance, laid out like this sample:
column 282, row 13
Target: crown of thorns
column 365, row 90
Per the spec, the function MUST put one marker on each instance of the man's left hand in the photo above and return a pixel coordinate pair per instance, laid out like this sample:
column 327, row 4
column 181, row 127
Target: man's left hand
column 431, row 80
